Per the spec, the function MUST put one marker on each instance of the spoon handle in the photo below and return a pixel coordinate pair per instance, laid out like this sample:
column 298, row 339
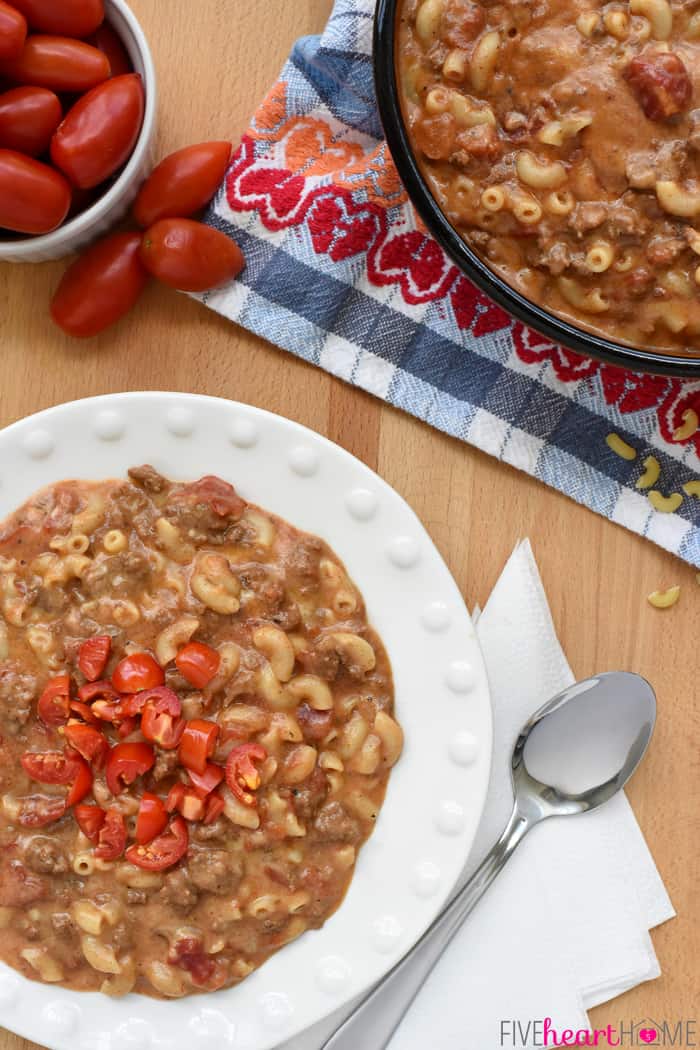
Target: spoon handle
column 374, row 1021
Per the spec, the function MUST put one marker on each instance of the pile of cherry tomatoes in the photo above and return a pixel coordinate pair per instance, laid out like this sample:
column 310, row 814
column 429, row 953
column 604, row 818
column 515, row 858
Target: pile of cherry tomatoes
column 105, row 282
column 68, row 123
column 136, row 706
column 71, row 115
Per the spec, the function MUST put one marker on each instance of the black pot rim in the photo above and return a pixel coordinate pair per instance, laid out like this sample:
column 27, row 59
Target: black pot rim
column 547, row 324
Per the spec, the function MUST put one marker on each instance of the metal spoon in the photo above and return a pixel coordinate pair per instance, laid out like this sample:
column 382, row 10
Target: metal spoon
column 576, row 753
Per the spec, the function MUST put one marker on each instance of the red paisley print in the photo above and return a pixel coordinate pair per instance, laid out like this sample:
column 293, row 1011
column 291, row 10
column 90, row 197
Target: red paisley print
column 344, row 226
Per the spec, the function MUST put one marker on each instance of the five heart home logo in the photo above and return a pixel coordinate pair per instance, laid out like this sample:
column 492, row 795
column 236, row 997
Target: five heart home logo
column 648, row 1035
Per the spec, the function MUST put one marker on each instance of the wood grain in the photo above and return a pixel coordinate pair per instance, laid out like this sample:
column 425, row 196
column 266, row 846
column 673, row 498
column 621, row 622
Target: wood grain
column 213, row 69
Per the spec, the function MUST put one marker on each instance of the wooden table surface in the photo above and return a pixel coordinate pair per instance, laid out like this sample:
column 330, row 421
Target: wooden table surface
column 215, row 61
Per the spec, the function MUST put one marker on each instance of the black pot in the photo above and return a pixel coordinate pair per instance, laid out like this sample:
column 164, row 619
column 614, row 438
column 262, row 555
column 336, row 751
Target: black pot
column 548, row 324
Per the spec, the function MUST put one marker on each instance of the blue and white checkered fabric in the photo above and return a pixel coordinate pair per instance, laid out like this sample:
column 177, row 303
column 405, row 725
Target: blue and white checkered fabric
column 341, row 272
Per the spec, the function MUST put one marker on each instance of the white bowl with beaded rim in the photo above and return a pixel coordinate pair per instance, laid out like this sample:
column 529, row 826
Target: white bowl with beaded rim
column 436, row 792
column 113, row 205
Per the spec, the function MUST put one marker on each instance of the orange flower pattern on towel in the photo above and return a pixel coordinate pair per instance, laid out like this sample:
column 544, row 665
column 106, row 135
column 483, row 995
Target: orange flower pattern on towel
column 310, row 147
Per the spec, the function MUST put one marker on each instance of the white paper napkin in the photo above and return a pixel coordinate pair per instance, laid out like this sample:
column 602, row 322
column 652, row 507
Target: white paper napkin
column 566, row 925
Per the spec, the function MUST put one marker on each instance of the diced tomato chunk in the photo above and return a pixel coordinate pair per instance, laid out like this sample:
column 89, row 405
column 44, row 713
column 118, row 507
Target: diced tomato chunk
column 93, row 656
column 198, row 664
column 126, row 762
column 242, row 775
column 152, row 818
column 90, row 819
column 112, row 836
column 165, row 851
column 198, row 743
column 136, row 673
column 54, row 703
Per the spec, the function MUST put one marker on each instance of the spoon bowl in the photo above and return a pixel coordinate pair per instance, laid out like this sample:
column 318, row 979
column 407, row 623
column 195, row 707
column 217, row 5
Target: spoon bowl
column 583, row 745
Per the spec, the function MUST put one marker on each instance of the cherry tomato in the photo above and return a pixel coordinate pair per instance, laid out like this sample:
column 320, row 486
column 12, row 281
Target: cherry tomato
column 110, row 44
column 241, row 774
column 54, row 703
column 99, row 133
column 33, row 197
column 126, row 727
column 105, row 701
column 134, row 703
column 28, row 118
column 90, row 819
column 198, row 664
column 137, row 672
column 84, row 711
column 13, row 31
column 112, row 836
column 66, row 17
column 36, row 811
column 49, row 767
column 82, row 782
column 101, row 690
column 126, row 762
column 197, row 744
column 93, row 656
column 161, row 720
column 215, row 807
column 152, row 818
column 190, row 256
column 58, row 63
column 186, row 801
column 100, row 287
column 164, row 851
column 89, row 743
column 183, row 183
column 205, row 782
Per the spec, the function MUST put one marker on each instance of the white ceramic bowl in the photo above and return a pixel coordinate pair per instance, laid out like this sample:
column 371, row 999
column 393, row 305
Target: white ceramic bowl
column 437, row 791
column 114, row 204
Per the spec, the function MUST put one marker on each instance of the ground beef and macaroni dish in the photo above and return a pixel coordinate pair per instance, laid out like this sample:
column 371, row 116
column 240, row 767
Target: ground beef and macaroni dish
column 562, row 141
column 196, row 730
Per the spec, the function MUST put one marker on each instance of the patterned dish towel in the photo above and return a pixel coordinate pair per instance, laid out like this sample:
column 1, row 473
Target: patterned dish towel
column 340, row 271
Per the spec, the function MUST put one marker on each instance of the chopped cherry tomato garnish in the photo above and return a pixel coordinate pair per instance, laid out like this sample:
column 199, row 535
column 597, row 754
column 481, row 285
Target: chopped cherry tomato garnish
column 93, row 656
column 125, row 763
column 39, row 810
column 48, row 767
column 137, row 672
column 198, row 743
column 102, row 690
column 60, row 767
column 215, row 807
column 106, row 703
column 186, row 800
column 152, row 818
column 90, row 819
column 84, row 711
column 241, row 774
column 89, row 743
column 205, row 782
column 54, row 702
column 82, row 782
column 127, row 727
column 161, row 720
column 164, row 851
column 198, row 663
column 135, row 703
column 112, row 837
